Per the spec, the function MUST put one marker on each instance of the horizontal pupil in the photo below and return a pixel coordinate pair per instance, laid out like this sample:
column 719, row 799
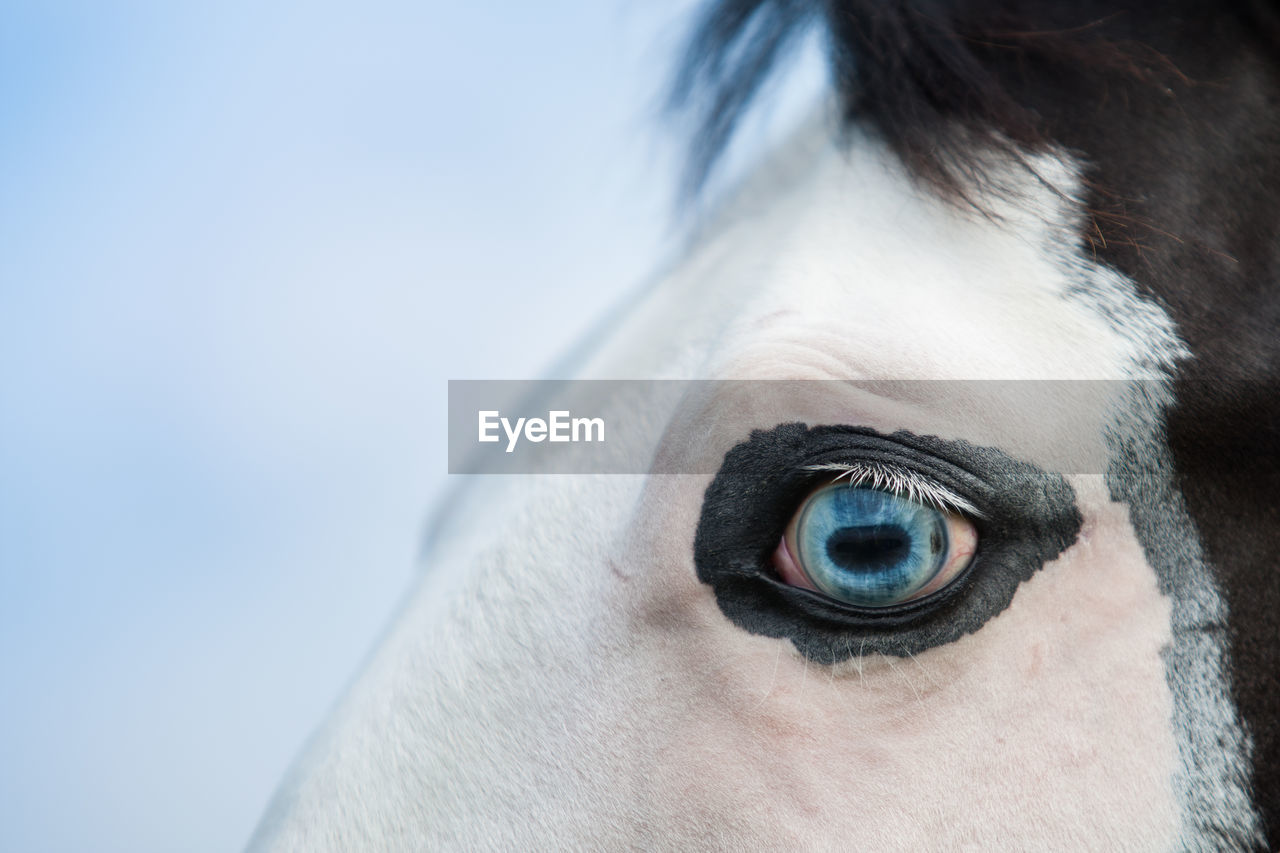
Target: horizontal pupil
column 870, row 548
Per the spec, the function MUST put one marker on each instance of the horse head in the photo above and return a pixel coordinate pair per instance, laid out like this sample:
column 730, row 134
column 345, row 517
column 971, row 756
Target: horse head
column 948, row 515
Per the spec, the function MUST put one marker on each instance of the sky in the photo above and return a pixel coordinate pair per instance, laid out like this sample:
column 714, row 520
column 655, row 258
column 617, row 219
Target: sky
column 243, row 248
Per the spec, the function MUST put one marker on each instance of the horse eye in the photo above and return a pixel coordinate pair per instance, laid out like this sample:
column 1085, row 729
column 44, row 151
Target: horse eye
column 871, row 548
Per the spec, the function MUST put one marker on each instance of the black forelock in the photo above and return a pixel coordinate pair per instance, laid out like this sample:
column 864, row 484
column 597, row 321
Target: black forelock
column 942, row 81
column 733, row 49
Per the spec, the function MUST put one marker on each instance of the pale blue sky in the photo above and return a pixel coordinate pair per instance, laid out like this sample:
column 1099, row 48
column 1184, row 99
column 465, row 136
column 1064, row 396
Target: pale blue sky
column 243, row 246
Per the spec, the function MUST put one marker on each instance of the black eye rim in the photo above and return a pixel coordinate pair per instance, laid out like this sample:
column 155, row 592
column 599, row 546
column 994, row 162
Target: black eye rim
column 1025, row 517
column 868, row 612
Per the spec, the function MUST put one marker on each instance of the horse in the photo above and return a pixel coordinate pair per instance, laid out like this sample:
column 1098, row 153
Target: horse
column 963, row 536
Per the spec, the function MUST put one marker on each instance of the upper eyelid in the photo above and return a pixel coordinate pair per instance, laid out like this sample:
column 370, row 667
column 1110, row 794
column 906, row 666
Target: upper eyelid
column 900, row 481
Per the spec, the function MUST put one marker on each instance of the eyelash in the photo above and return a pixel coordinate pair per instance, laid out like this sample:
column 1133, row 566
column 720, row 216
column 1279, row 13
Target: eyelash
column 903, row 482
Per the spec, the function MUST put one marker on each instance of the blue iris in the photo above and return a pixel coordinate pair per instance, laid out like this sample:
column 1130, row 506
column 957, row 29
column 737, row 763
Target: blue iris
column 868, row 547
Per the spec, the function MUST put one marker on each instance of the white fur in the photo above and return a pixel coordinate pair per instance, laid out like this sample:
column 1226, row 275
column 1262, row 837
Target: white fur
column 561, row 680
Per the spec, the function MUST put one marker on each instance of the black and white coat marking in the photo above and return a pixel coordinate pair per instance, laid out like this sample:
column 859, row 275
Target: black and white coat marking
column 1012, row 191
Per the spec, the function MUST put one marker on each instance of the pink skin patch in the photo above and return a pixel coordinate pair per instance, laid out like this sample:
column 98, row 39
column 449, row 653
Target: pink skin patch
column 787, row 567
column 1057, row 706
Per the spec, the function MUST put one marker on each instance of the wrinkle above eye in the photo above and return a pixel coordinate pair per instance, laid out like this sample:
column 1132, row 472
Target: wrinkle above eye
column 787, row 344
column 813, row 356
